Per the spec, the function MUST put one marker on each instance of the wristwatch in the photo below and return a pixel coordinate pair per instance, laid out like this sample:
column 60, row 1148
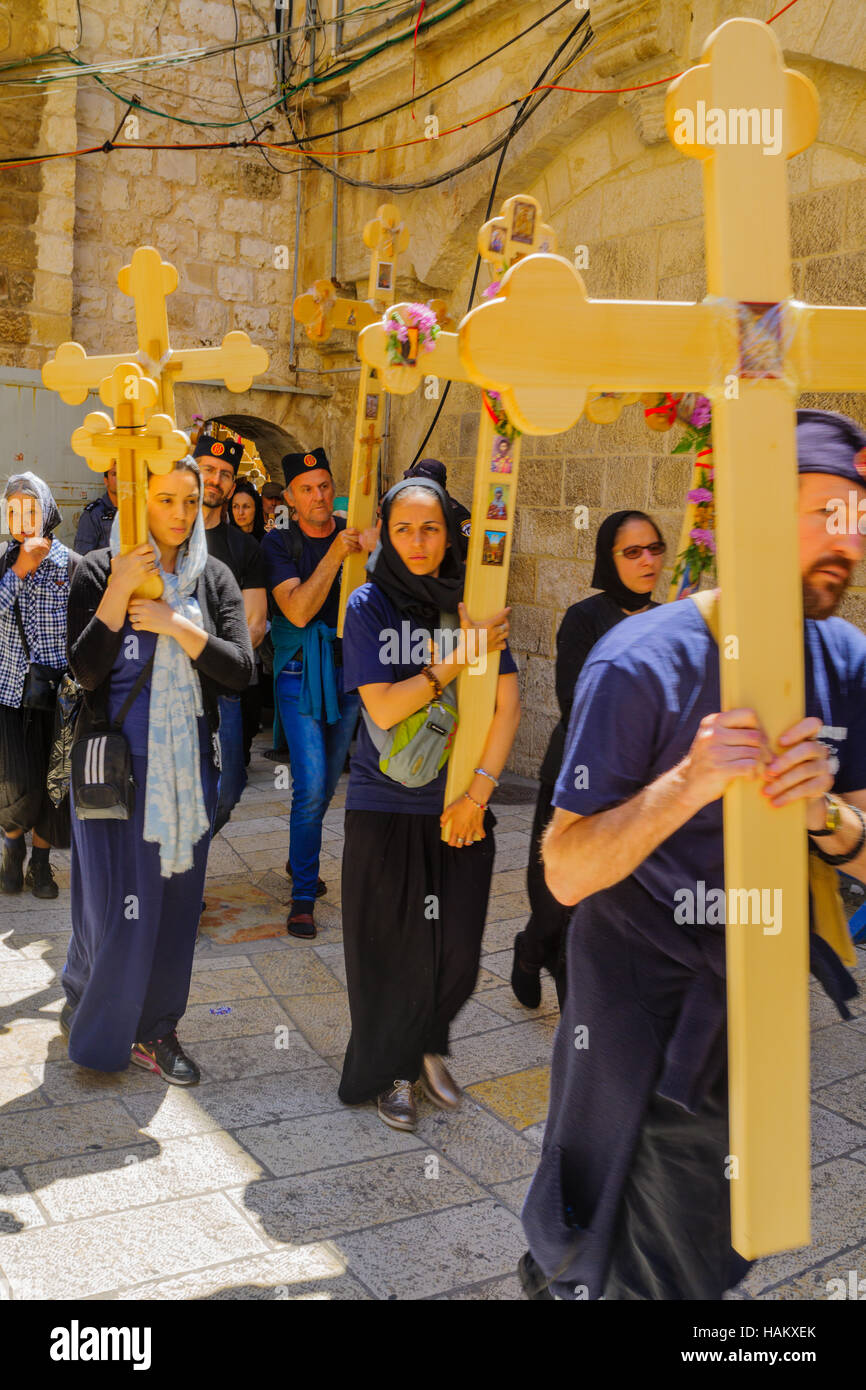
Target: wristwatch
column 833, row 818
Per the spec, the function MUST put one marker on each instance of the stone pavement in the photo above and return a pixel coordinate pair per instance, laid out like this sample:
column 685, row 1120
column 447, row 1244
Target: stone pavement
column 258, row 1183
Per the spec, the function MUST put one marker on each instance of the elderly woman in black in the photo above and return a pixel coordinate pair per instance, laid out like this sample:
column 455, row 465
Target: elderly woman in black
column 157, row 669
column 629, row 554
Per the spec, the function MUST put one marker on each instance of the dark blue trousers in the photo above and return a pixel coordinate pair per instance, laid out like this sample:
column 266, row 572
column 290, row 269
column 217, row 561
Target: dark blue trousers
column 133, row 932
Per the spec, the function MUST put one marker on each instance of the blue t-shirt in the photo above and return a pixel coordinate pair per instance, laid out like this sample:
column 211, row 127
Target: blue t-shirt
column 276, row 549
column 641, row 696
column 372, row 636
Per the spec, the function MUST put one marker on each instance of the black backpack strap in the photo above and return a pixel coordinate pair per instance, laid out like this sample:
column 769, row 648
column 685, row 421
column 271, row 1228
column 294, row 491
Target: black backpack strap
column 236, row 546
column 134, row 693
column 21, row 633
column 293, row 540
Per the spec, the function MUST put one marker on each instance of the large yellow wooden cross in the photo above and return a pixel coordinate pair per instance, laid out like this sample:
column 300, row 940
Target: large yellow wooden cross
column 321, row 311
column 386, row 236
column 71, row 373
column 140, row 441
column 750, row 348
column 148, row 280
column 517, row 232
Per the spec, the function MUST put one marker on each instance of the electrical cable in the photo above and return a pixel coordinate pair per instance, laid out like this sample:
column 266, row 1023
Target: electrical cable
column 587, row 38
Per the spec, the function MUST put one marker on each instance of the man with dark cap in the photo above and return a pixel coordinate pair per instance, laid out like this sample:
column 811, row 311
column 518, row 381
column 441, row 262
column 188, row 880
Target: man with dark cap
column 435, row 469
column 272, row 498
column 304, row 561
column 631, row 1199
column 94, row 526
column 219, row 453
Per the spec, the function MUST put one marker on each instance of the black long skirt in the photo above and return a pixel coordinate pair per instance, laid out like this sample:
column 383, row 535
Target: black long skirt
column 26, row 737
column 413, row 918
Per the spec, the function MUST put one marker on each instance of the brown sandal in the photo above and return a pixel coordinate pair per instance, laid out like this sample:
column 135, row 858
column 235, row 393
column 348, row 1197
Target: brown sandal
column 301, row 924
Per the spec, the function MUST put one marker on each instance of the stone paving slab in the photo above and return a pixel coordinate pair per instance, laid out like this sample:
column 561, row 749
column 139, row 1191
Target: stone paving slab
column 258, row 1184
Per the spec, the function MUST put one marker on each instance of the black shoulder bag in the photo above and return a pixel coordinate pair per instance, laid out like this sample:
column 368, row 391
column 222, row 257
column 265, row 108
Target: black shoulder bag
column 102, row 784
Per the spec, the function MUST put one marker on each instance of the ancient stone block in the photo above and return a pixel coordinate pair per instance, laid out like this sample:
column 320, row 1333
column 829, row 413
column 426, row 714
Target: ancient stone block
column 817, row 223
column 542, row 531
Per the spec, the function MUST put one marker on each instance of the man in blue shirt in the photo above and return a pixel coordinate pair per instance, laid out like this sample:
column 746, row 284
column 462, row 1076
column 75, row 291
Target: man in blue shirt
column 304, row 563
column 94, row 527
column 631, row 1200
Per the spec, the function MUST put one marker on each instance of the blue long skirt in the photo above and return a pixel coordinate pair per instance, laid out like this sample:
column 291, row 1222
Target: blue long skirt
column 129, row 963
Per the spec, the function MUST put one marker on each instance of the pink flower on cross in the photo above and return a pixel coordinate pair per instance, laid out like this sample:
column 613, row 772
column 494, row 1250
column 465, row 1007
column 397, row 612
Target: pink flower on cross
column 700, row 494
column 701, row 413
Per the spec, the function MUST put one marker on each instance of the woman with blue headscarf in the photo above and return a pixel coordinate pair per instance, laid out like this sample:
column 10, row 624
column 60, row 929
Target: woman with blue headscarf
column 137, row 884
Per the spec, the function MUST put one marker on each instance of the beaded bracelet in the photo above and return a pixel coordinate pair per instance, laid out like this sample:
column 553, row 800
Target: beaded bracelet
column 480, row 804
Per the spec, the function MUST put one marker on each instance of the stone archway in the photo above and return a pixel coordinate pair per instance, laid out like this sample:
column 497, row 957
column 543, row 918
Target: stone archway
column 271, row 440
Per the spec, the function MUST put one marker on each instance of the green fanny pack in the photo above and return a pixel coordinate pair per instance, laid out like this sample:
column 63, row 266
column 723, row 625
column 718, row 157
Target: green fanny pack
column 415, row 750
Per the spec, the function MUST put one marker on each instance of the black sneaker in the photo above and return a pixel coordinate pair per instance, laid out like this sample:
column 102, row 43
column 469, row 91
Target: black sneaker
column 167, row 1058
column 533, row 1280
column 525, row 980
column 321, row 886
column 40, row 879
column 12, row 869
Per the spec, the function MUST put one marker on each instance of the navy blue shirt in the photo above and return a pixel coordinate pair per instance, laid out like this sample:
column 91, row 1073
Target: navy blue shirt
column 644, row 690
column 276, row 548
column 371, row 619
column 94, row 527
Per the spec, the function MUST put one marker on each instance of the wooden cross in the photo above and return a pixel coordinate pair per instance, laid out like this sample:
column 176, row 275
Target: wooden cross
column 140, row 441
column 517, row 232
column 321, row 311
column 148, row 280
column 750, row 348
column 386, row 236
column 370, row 440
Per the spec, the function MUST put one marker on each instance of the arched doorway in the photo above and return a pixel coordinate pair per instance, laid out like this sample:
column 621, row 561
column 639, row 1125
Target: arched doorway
column 271, row 440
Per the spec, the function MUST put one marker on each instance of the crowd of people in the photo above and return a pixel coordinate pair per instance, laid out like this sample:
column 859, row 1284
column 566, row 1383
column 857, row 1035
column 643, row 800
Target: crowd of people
column 629, row 1200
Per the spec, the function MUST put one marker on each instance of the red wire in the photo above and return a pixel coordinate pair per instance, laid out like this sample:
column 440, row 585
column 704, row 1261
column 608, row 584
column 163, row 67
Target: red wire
column 373, row 149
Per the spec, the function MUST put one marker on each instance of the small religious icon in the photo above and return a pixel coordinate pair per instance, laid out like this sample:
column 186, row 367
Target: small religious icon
column 497, row 240
column 493, row 552
column 384, row 275
column 409, row 346
column 497, row 506
column 523, row 224
column 371, row 406
column 501, row 458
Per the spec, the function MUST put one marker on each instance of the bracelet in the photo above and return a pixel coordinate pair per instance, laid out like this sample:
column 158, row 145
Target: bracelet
column 479, row 772
column 837, row 859
column 434, row 681
column 480, row 804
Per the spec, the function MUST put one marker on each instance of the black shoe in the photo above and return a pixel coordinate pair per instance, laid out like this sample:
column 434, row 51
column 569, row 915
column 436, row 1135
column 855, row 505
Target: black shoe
column 321, row 886
column 12, row 868
column 66, row 1015
column 167, row 1058
column 525, row 980
column 533, row 1280
column 300, row 921
column 40, row 879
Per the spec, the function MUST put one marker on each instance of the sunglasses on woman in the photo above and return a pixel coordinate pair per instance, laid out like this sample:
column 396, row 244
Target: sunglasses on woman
column 634, row 552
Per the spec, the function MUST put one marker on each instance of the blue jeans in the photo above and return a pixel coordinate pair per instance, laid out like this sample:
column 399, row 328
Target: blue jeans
column 317, row 752
column 233, row 777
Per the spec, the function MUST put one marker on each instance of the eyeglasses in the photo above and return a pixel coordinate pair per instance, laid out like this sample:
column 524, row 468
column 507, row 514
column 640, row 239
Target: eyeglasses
column 634, row 552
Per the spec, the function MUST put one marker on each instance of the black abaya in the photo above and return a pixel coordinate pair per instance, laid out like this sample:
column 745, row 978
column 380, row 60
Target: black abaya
column 413, row 919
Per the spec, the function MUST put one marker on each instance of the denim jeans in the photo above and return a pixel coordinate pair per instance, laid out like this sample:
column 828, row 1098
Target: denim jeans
column 233, row 777
column 317, row 752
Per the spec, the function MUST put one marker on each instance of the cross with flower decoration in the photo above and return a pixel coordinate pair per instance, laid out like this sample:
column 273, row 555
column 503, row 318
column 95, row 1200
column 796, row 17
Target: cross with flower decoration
column 750, row 348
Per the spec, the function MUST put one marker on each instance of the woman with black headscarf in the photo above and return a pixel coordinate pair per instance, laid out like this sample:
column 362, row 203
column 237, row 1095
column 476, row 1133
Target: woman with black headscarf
column 413, row 906
column 246, row 511
column 34, row 592
column 629, row 553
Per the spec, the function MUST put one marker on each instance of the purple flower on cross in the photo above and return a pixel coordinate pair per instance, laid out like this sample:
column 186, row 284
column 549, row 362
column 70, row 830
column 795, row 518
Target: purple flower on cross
column 701, row 413
column 700, row 494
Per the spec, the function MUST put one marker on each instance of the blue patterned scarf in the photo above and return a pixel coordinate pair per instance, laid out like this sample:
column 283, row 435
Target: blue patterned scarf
column 174, row 811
